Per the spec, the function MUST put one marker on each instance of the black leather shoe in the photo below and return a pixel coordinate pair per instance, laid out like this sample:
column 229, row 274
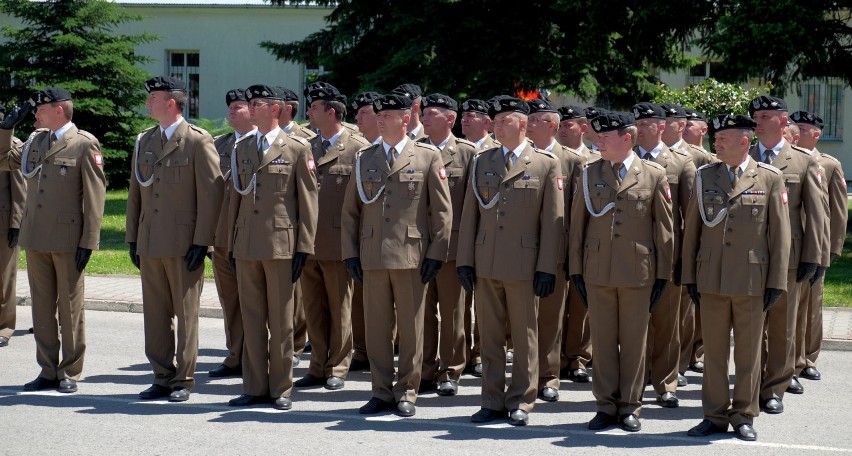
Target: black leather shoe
column 309, row 380
column 296, row 360
column 448, row 388
column 486, row 415
column 668, row 400
column 376, row 405
column 602, row 421
column 510, row 357
column 247, row 399
column 4, row 341
column 810, row 373
column 519, row 417
column 225, row 371
column 67, row 385
column 705, row 428
column 746, row 432
column 334, row 383
column 308, row 347
column 155, row 392
column 681, row 380
column 630, row 423
column 477, row 370
column 41, row 383
column 548, row 394
column 773, row 406
column 359, row 365
column 578, row 375
column 283, row 403
column 427, row 386
column 795, row 387
column 179, row 394
column 405, row 408
column 697, row 366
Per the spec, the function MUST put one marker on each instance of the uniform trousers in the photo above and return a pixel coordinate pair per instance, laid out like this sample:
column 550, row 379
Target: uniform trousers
column 551, row 311
column 444, row 352
column 512, row 304
column 691, row 343
column 229, row 298
column 577, row 344
column 471, row 332
column 618, row 318
column 664, row 341
column 779, row 342
column 327, row 297
column 720, row 314
column 359, row 338
column 813, row 332
column 300, row 324
column 266, row 295
column 8, row 288
column 57, row 286
column 394, row 296
column 170, row 292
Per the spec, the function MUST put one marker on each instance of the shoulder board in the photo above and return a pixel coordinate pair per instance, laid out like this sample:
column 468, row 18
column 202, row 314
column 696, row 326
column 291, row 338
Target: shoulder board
column 148, row 130
column 308, row 131
column 360, row 139
column 801, row 150
column 300, row 139
column 822, row 155
column 544, row 152
column 244, row 137
column 769, row 167
column 573, row 151
column 87, row 135
column 368, row 147
column 425, row 145
column 198, row 129
column 424, row 139
column 709, row 165
column 695, row 148
column 350, row 127
column 654, row 165
column 465, row 142
column 681, row 152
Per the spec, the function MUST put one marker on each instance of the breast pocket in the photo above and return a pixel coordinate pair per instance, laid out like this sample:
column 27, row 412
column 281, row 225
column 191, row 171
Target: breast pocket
column 755, row 205
column 371, row 183
column 338, row 177
column 487, row 186
column 638, row 201
column 280, row 176
column 146, row 164
column 175, row 168
column 528, row 189
column 601, row 196
column 793, row 183
column 411, row 184
column 455, row 177
column 712, row 205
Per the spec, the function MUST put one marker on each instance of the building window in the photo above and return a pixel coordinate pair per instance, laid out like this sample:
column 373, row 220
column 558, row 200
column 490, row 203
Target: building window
column 825, row 98
column 184, row 66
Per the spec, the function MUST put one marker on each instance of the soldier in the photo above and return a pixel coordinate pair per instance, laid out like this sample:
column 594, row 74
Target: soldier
column 172, row 208
column 801, row 176
column 444, row 351
column 328, row 287
column 809, row 326
column 544, row 122
column 664, row 331
column 226, row 279
column 696, row 128
column 61, row 226
column 673, row 135
column 735, row 251
column 508, row 242
column 367, row 125
column 396, row 226
column 791, row 133
column 414, row 93
column 627, row 271
column 13, row 196
column 273, row 220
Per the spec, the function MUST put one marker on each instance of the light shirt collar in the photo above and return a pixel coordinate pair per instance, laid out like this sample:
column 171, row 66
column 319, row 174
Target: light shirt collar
column 398, row 147
column 413, row 133
column 654, row 152
column 289, row 127
column 170, row 130
column 237, row 134
column 270, row 137
column 627, row 163
column 774, row 150
column 581, row 148
column 481, row 140
column 334, row 138
column 551, row 146
column 517, row 151
column 443, row 143
column 677, row 144
column 62, row 130
column 378, row 140
column 743, row 166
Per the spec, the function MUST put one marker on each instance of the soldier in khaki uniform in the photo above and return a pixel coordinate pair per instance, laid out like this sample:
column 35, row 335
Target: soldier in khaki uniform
column 328, row 287
column 621, row 248
column 273, row 221
column 444, row 351
column 577, row 340
column 544, row 120
column 61, row 226
column 396, row 224
column 13, row 196
column 226, row 278
column 735, row 252
column 172, row 208
column 414, row 130
column 664, row 330
column 695, row 129
column 508, row 252
column 801, row 177
column 809, row 325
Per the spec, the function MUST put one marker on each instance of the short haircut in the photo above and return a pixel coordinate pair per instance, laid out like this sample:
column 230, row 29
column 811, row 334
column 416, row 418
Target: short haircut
column 339, row 108
column 631, row 130
column 67, row 108
column 179, row 97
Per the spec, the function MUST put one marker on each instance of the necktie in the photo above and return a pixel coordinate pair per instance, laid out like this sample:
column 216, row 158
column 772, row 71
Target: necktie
column 736, row 178
column 325, row 146
column 53, row 140
column 163, row 139
column 768, row 158
column 616, row 168
column 648, row 156
column 392, row 154
column 508, row 160
column 263, row 145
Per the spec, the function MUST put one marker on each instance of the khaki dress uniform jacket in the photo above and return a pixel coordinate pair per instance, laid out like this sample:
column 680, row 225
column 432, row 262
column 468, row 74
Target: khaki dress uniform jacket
column 734, row 251
column 13, row 196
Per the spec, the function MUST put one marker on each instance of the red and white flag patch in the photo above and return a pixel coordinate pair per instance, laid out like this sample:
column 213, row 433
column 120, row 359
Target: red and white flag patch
column 442, row 173
column 669, row 194
column 559, row 182
column 784, row 197
column 99, row 159
column 311, row 165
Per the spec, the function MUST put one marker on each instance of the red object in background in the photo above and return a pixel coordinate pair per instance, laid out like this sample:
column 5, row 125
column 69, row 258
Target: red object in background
column 528, row 95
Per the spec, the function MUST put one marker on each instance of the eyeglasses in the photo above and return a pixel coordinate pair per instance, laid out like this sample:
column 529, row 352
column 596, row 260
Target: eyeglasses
column 257, row 104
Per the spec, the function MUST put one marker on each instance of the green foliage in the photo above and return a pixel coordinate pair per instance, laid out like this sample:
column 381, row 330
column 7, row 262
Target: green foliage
column 76, row 45
column 214, row 127
column 711, row 97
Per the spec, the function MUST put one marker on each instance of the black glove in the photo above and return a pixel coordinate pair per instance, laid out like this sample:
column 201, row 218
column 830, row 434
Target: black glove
column 770, row 297
column 657, row 293
column 82, row 258
column 195, row 256
column 543, row 284
column 15, row 116
column 678, row 269
column 820, row 273
column 580, row 284
column 692, row 291
column 467, row 277
column 299, row 259
column 232, row 262
column 429, row 269
column 353, row 267
column 12, row 236
column 134, row 258
column 209, row 255
column 805, row 271
column 567, row 275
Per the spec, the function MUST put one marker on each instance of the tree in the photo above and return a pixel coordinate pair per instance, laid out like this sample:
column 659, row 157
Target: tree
column 609, row 51
column 74, row 44
column 712, row 97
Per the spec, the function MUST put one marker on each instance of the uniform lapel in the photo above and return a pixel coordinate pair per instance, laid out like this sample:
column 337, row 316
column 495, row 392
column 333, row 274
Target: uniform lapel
column 747, row 179
column 174, row 142
column 723, row 180
column 63, row 141
column 275, row 149
column 405, row 157
column 608, row 174
column 333, row 151
column 521, row 164
column 449, row 151
column 631, row 178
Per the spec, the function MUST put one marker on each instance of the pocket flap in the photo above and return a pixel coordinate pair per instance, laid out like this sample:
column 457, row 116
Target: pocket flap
column 758, row 256
column 65, row 161
column 344, row 170
column 372, row 177
column 414, row 232
column 639, row 194
column 605, row 193
column 753, row 200
column 488, row 181
column 411, row 177
column 791, row 178
column 713, row 199
column 185, row 218
column 529, row 241
column 283, row 221
column 67, row 217
column 455, row 172
column 279, row 169
column 644, row 247
column 177, row 161
column 592, row 245
column 532, row 182
column 366, row 232
column 672, row 178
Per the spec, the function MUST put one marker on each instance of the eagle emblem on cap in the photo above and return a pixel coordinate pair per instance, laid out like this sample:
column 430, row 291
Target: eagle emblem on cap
column 731, row 122
column 636, row 112
column 796, row 116
column 756, row 102
column 716, row 124
column 614, row 123
column 265, row 93
column 513, row 103
column 541, row 105
column 392, row 102
column 377, row 104
column 596, row 125
column 439, row 100
column 774, row 104
column 466, row 105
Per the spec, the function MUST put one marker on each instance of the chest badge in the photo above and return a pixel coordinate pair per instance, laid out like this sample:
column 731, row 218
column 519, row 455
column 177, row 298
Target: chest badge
column 710, row 211
column 411, row 185
column 339, row 180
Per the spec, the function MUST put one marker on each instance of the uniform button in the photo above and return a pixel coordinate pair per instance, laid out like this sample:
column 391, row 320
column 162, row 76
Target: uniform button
column 156, row 195
column 388, row 192
column 387, row 219
column 616, row 235
column 41, row 190
column 502, row 212
column 157, row 179
column 618, row 210
column 38, row 205
column 257, row 184
column 256, row 211
column 730, row 229
column 728, row 244
column 506, row 185
column 500, row 227
column 156, row 211
column 390, row 178
column 618, row 198
column 159, row 164
column 504, row 199
column 618, row 223
column 730, row 215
